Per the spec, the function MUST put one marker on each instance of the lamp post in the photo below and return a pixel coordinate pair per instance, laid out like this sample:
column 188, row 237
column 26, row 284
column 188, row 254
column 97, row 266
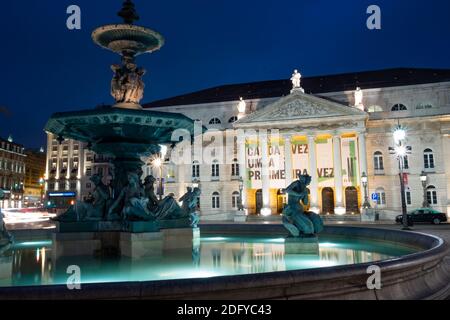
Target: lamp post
column 196, row 184
column 424, row 180
column 364, row 180
column 400, row 151
column 41, row 185
column 241, row 188
column 158, row 163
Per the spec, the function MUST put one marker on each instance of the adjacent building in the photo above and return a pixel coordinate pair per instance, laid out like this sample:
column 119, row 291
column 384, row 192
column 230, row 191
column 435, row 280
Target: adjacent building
column 335, row 128
column 12, row 173
column 68, row 169
column 34, row 177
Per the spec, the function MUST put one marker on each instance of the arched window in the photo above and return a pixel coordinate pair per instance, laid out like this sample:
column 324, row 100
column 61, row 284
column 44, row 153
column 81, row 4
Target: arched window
column 195, row 169
column 235, row 168
column 215, row 121
column 233, row 119
column 381, row 196
column 408, row 196
column 432, row 195
column 235, row 200
column 378, row 163
column 215, row 172
column 373, row 109
column 399, row 107
column 216, row 200
column 428, row 159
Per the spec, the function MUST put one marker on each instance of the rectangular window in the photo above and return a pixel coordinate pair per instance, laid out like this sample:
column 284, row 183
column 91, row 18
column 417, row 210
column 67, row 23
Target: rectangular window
column 408, row 198
column 235, row 170
column 406, row 163
column 215, row 170
column 432, row 197
column 428, row 160
column 381, row 198
column 215, row 202
column 195, row 171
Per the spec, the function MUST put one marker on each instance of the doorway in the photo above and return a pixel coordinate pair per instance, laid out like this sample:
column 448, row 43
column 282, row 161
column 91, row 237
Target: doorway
column 327, row 201
column 281, row 201
column 351, row 200
column 259, row 201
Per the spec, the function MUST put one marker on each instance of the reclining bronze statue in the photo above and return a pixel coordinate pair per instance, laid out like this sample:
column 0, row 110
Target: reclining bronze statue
column 298, row 222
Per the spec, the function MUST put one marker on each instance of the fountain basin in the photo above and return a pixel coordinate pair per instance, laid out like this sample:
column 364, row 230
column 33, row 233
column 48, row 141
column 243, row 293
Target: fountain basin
column 118, row 131
column 421, row 273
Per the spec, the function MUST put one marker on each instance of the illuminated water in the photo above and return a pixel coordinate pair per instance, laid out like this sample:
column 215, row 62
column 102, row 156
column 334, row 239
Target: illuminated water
column 32, row 263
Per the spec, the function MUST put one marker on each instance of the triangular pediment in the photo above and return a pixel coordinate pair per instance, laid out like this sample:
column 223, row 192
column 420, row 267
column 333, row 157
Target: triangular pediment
column 299, row 106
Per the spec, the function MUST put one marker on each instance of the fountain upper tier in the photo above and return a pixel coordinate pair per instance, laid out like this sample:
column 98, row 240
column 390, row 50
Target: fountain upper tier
column 127, row 39
column 119, row 132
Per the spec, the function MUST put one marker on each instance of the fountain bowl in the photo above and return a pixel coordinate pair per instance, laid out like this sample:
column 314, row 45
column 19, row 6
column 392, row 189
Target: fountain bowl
column 127, row 38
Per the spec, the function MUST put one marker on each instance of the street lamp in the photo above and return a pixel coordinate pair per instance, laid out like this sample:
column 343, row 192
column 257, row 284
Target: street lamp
column 424, row 180
column 241, row 188
column 364, row 180
column 401, row 151
column 158, row 163
column 41, row 184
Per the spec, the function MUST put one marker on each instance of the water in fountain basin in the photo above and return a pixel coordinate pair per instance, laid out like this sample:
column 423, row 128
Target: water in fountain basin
column 31, row 263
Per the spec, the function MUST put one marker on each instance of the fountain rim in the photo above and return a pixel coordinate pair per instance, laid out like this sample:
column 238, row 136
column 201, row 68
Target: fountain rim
column 56, row 123
column 292, row 284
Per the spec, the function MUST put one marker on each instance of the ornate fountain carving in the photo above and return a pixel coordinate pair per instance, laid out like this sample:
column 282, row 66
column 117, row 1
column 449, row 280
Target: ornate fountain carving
column 127, row 85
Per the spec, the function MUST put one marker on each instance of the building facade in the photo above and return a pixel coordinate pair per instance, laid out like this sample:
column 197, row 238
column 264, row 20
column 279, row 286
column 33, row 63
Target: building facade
column 69, row 167
column 335, row 128
column 34, row 177
column 12, row 173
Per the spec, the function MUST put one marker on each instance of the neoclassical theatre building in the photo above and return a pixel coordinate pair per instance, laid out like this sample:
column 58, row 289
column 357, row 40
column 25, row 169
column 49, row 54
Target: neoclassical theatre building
column 335, row 128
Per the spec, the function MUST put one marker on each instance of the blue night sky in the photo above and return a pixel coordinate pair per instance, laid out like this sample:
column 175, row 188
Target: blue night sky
column 47, row 68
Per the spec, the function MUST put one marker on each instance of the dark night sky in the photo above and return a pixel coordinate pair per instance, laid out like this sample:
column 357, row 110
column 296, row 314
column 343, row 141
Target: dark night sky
column 47, row 68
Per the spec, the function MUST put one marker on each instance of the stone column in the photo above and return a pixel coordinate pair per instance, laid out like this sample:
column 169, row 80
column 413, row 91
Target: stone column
column 314, row 186
column 263, row 143
column 241, row 143
column 362, row 154
column 288, row 159
column 338, row 185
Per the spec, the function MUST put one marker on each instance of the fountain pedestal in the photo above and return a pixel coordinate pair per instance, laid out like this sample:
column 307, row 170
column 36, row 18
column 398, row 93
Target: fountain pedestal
column 121, row 243
column 308, row 246
column 6, row 269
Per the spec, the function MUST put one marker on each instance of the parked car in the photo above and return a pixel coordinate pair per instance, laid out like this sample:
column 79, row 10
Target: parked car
column 424, row 215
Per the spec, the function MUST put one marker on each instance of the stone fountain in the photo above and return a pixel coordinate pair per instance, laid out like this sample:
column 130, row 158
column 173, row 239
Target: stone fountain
column 125, row 214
